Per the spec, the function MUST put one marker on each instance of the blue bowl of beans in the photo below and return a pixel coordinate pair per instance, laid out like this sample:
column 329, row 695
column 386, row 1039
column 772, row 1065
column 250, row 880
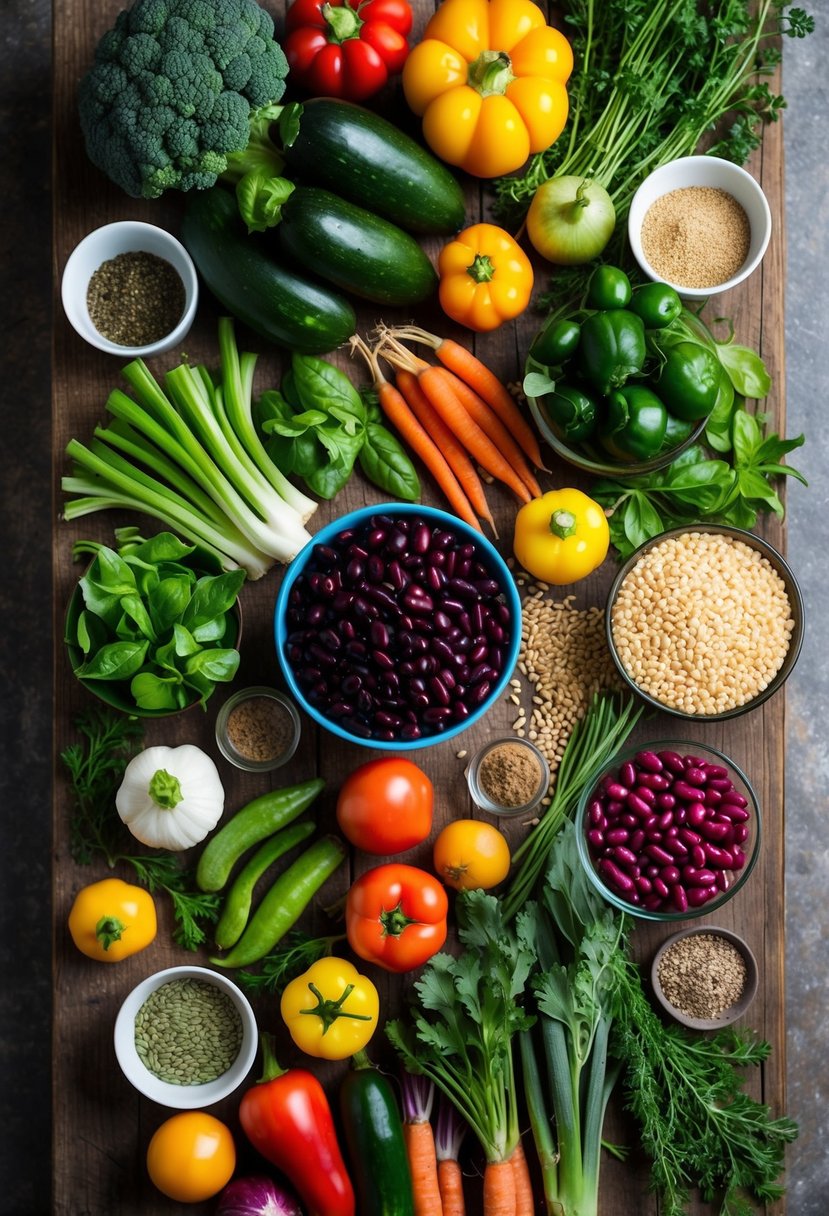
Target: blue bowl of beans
column 397, row 626
column 669, row 831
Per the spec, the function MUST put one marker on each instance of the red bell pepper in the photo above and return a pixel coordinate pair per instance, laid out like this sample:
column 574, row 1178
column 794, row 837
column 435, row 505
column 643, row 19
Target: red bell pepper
column 287, row 1118
column 395, row 916
column 334, row 50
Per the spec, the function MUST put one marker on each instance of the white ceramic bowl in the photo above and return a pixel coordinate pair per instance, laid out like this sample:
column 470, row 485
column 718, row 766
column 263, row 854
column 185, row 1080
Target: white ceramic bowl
column 710, row 171
column 183, row 1097
column 126, row 236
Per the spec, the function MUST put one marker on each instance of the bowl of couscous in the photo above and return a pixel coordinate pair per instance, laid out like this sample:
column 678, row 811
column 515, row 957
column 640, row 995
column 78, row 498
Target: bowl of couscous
column 705, row 622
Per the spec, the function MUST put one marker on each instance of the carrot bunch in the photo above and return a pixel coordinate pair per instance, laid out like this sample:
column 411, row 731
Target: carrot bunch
column 456, row 415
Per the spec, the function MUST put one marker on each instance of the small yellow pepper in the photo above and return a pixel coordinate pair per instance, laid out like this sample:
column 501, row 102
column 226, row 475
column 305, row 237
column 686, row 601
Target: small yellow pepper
column 110, row 920
column 561, row 536
column 485, row 278
column 330, row 1010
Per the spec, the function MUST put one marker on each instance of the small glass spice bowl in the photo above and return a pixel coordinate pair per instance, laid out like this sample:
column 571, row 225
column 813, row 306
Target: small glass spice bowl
column 232, row 734
column 483, row 800
column 184, row 1096
column 668, row 837
column 106, row 243
column 737, row 1008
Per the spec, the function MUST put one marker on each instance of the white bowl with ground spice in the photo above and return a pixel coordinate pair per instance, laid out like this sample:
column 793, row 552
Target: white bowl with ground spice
column 508, row 777
column 186, row 1037
column 130, row 289
column 704, row 977
column 705, row 622
column 258, row 729
column 701, row 224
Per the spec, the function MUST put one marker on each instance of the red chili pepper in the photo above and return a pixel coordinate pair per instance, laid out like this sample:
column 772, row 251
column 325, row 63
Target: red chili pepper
column 334, row 50
column 287, row 1118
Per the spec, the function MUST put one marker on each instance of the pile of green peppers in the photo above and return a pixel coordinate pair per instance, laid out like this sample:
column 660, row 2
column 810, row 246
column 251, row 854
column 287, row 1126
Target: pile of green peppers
column 627, row 372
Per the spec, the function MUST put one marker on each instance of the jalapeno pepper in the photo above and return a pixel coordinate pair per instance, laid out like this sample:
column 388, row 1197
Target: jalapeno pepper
column 657, row 304
column 571, row 412
column 689, row 381
column 611, row 348
column 609, row 287
column 634, row 425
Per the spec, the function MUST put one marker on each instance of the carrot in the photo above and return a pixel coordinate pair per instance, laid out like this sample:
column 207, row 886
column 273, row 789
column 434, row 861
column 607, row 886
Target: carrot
column 456, row 456
column 485, row 383
column 491, row 424
column 524, row 1201
column 418, row 1096
column 438, row 387
column 450, row 1181
column 450, row 1130
column 396, row 409
column 499, row 1189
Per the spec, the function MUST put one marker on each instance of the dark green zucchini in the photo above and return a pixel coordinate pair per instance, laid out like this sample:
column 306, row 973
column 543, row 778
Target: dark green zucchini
column 374, row 1137
column 354, row 249
column 275, row 302
column 363, row 157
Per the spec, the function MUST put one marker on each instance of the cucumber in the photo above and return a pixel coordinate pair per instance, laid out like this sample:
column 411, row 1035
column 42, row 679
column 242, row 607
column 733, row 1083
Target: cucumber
column 352, row 248
column 367, row 160
column 374, row 1136
column 275, row 302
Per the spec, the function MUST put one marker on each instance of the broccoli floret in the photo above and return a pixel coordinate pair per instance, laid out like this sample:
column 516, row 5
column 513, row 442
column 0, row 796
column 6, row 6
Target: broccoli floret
column 173, row 89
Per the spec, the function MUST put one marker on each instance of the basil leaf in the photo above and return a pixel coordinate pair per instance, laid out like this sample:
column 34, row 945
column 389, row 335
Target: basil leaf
column 169, row 600
column 213, row 596
column 641, row 520
column 746, row 370
column 114, row 661
column 101, row 603
column 183, row 642
column 385, row 463
column 165, row 547
column 217, row 665
column 211, row 631
column 746, row 436
column 754, row 486
column 165, row 657
column 133, row 607
column 112, row 573
column 150, row 691
column 320, row 385
column 90, row 633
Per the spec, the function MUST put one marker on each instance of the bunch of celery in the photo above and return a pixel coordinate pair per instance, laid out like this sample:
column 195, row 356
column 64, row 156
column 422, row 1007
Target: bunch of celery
column 191, row 457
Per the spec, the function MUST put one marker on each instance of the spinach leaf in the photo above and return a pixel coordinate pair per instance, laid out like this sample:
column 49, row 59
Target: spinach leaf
column 134, row 608
column 169, row 599
column 385, row 463
column 319, row 385
column 183, row 641
column 165, row 547
column 114, row 661
column 213, row 596
column 217, row 665
column 154, row 692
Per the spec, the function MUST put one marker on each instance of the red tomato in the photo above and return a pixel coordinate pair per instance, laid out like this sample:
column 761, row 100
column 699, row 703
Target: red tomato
column 334, row 50
column 395, row 916
column 385, row 806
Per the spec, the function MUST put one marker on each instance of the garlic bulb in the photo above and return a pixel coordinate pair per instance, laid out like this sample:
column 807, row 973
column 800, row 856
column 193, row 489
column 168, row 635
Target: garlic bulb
column 171, row 797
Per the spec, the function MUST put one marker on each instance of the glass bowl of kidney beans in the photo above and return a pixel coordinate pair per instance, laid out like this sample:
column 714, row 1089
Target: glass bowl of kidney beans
column 670, row 830
column 397, row 626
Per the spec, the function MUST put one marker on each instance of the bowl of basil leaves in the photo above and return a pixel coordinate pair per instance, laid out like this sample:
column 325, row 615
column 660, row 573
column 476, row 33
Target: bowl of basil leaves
column 153, row 625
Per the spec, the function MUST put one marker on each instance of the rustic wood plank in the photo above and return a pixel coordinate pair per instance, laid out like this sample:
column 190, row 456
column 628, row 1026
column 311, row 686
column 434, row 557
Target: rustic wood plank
column 101, row 1125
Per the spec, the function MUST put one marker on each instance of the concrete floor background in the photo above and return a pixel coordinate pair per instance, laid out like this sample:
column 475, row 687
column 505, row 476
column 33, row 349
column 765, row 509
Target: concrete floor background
column 25, row 658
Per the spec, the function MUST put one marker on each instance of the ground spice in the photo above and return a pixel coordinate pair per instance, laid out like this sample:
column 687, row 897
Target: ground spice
column 696, row 237
column 260, row 729
column 702, row 975
column 135, row 299
column 510, row 775
column 188, row 1032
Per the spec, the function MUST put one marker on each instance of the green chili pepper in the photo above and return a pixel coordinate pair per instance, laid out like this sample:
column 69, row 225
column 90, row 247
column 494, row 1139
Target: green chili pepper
column 689, row 381
column 256, row 821
column 634, row 425
column 285, row 902
column 609, row 287
column 556, row 342
column 657, row 304
column 611, row 348
column 571, row 412
column 236, row 908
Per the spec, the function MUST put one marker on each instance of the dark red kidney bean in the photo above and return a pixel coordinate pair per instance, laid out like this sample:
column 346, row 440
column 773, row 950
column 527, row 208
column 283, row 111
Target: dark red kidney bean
column 739, row 834
column 738, row 857
column 717, row 857
column 628, row 819
column 595, row 813
column 340, row 709
column 679, row 897
column 712, row 797
column 651, row 826
column 420, row 537
column 698, row 857
column 379, row 634
column 689, row 836
column 717, row 771
column 716, row 832
column 410, row 731
column 383, row 718
column 451, row 563
column 382, row 659
column 688, row 792
column 461, row 589
column 460, row 710
column 494, row 631
column 441, row 692
column 698, row 878
column 679, row 814
column 669, row 875
column 616, row 836
column 694, row 775
column 694, row 761
column 595, row 838
column 670, row 831
column 442, row 650
column 696, row 814
column 665, row 802
column 648, row 796
column 661, row 888
column 616, row 790
column 442, row 623
column 479, row 652
column 466, row 625
column 675, row 847
column 649, row 761
column 480, row 692
column 665, row 820
column 616, row 877
column 654, row 781
column 730, row 810
column 672, row 760
column 732, row 798
column 487, row 586
column 635, row 803
column 644, row 885
column 652, row 870
column 697, row 896
column 448, row 678
column 723, row 881
column 437, row 713
column 482, row 671
column 623, row 854
column 627, row 774
column 723, row 784
column 637, row 840
column 614, row 807
column 659, row 855
column 435, row 578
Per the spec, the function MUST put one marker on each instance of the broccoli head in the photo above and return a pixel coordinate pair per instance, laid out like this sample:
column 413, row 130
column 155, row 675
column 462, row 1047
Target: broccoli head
column 173, row 89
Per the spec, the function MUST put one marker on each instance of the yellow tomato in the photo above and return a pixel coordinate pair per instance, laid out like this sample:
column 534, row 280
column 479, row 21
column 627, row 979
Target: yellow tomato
column 471, row 855
column 191, row 1157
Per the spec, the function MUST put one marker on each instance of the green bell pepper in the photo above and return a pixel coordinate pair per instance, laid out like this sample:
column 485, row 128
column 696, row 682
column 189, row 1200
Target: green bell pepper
column 609, row 287
column 689, row 381
column 571, row 412
column 611, row 348
column 657, row 304
column 556, row 342
column 634, row 424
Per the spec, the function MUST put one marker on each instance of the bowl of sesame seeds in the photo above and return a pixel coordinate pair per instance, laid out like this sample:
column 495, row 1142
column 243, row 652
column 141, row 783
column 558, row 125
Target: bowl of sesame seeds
column 704, row 977
column 705, row 622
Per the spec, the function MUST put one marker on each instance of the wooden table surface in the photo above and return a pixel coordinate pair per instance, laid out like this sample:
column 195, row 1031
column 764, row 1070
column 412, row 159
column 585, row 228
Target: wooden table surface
column 101, row 1125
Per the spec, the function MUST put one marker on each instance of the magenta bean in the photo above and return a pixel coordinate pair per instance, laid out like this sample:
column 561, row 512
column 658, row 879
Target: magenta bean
column 723, row 881
column 739, row 834
column 718, row 858
column 694, row 761
column 647, row 795
column 665, row 802
column 661, row 888
column 696, row 814
column 698, row 878
column 698, row 855
column 731, row 797
column 672, row 760
column 654, row 781
column 687, row 792
column 615, row 790
column 651, row 826
column 679, row 814
column 689, row 836
column 697, row 896
column 665, row 820
column 716, row 771
column 617, row 836
column 628, row 819
column 595, row 813
column 596, row 838
column 649, row 761
column 637, row 840
column 616, row 877
column 738, row 857
column 694, row 775
column 614, row 807
column 660, row 855
column 644, row 885
column 652, row 871
column 637, row 805
column 721, row 784
column 716, row 832
column 627, row 774
column 652, row 902
column 712, row 797
column 625, row 855
column 679, row 897
column 733, row 812
column 674, row 846
column 669, row 875
column 670, row 832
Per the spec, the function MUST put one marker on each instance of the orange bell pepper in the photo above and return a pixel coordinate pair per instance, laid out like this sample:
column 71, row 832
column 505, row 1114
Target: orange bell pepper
column 489, row 81
column 485, row 278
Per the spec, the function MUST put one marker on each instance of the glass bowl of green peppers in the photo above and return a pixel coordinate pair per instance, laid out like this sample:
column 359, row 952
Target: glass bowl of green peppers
column 626, row 381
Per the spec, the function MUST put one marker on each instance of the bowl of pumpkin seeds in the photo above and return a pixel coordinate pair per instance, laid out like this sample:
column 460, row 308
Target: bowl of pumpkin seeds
column 186, row 1037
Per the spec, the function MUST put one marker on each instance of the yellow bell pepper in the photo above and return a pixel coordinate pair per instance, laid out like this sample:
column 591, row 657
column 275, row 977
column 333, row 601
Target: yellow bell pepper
column 111, row 920
column 330, row 1010
column 561, row 536
column 489, row 81
column 485, row 278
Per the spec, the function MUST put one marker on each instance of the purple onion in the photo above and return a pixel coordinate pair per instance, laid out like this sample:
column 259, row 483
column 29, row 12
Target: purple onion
column 257, row 1196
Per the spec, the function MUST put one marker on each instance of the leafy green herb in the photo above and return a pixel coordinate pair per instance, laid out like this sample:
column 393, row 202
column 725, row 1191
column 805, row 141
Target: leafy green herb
column 96, row 767
column 318, row 426
column 461, row 1031
column 297, row 952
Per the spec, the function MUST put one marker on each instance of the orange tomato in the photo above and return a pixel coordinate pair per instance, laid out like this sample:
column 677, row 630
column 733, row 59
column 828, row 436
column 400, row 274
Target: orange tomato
column 191, row 1157
column 471, row 855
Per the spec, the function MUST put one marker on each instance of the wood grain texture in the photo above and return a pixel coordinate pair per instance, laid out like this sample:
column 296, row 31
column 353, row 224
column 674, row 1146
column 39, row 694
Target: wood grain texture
column 102, row 1127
